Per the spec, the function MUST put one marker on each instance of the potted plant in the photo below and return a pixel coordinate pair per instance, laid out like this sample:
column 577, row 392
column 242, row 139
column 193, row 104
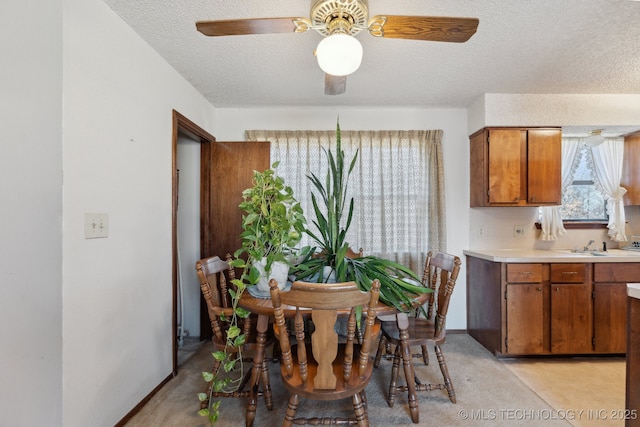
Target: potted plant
column 272, row 227
column 329, row 256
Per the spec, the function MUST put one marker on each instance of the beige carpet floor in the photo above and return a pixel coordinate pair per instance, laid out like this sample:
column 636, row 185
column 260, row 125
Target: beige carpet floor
column 490, row 392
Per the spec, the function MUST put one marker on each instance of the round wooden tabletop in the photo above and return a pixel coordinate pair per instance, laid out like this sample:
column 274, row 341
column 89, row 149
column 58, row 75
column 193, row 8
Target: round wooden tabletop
column 264, row 306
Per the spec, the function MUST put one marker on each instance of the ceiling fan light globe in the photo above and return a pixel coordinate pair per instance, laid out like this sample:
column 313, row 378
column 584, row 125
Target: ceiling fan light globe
column 339, row 54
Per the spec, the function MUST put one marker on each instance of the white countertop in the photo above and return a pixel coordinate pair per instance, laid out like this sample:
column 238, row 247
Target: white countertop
column 553, row 255
column 633, row 290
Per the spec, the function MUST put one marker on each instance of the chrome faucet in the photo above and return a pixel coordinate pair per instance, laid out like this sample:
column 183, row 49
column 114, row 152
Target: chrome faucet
column 587, row 248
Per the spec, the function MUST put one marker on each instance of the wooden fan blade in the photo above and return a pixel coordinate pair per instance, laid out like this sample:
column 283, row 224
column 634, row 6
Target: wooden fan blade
column 430, row 28
column 334, row 85
column 241, row 27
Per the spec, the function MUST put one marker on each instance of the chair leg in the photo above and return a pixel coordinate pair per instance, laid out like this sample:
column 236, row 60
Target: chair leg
column 292, row 407
column 256, row 369
column 381, row 349
column 268, row 398
column 445, row 374
column 425, row 354
column 391, row 397
column 360, row 409
column 364, row 401
column 409, row 376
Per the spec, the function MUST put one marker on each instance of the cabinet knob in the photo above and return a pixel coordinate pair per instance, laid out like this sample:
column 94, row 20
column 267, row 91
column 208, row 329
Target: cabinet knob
column 539, row 289
column 557, row 289
column 532, row 198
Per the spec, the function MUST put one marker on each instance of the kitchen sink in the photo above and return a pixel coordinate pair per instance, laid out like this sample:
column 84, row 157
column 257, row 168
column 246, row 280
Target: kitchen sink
column 575, row 252
column 610, row 252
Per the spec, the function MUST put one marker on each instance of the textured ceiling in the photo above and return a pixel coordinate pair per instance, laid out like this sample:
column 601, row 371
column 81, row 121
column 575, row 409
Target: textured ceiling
column 521, row 46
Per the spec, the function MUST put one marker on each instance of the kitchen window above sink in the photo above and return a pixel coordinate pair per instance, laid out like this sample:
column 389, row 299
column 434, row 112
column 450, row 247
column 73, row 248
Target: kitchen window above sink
column 584, row 199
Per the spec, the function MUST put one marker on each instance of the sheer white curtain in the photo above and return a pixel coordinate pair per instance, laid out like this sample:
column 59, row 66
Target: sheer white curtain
column 551, row 219
column 397, row 185
column 607, row 161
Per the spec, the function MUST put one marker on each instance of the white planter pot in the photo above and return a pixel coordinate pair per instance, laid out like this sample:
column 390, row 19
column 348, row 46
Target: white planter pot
column 279, row 271
column 328, row 274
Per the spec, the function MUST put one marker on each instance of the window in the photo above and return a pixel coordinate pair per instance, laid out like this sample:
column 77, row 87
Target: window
column 397, row 185
column 594, row 173
column 583, row 200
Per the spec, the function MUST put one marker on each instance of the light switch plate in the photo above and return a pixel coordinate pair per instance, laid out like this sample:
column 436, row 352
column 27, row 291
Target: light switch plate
column 96, row 225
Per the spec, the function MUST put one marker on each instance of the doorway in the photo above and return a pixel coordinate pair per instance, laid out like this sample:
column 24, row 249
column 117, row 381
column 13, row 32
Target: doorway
column 187, row 140
column 226, row 169
column 188, row 245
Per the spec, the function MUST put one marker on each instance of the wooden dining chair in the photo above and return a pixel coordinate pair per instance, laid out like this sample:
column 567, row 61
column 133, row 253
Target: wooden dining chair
column 440, row 275
column 323, row 367
column 215, row 276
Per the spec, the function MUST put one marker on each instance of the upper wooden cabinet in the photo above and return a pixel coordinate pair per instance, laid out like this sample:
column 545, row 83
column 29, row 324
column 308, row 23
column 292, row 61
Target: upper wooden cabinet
column 516, row 167
column 631, row 169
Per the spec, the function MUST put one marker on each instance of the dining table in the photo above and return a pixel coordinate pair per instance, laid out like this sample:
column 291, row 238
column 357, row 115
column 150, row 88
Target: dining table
column 263, row 308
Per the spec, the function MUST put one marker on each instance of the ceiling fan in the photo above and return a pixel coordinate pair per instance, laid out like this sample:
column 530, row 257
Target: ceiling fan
column 339, row 53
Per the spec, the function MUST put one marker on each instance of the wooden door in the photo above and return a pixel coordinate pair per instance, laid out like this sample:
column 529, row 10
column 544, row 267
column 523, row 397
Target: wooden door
column 525, row 318
column 610, row 317
column 226, row 170
column 571, row 318
column 544, row 166
column 505, row 167
column 631, row 169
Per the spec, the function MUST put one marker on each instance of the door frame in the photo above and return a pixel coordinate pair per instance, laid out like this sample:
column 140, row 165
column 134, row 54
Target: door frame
column 180, row 124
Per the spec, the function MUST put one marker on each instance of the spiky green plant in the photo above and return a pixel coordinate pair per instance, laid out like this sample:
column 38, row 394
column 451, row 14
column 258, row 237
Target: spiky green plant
column 396, row 288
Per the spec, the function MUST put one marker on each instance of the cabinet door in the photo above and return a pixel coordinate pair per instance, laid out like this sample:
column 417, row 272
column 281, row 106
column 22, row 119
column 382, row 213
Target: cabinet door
column 505, row 165
column 631, row 169
column 544, row 166
column 610, row 317
column 525, row 319
column 571, row 318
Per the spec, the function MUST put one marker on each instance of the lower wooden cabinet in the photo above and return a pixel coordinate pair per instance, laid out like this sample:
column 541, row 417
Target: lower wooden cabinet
column 571, row 317
column 610, row 307
column 547, row 309
column 525, row 332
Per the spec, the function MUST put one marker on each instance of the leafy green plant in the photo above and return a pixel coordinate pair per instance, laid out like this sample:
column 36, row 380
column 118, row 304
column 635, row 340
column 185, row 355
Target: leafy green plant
column 230, row 357
column 396, row 288
column 272, row 227
column 274, row 221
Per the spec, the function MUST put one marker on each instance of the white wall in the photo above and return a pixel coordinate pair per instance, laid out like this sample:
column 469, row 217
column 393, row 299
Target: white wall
column 118, row 101
column 230, row 125
column 31, row 213
column 188, row 163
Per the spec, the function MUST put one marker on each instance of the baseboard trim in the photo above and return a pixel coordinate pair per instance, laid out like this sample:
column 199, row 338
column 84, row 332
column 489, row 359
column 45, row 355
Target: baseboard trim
column 143, row 402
